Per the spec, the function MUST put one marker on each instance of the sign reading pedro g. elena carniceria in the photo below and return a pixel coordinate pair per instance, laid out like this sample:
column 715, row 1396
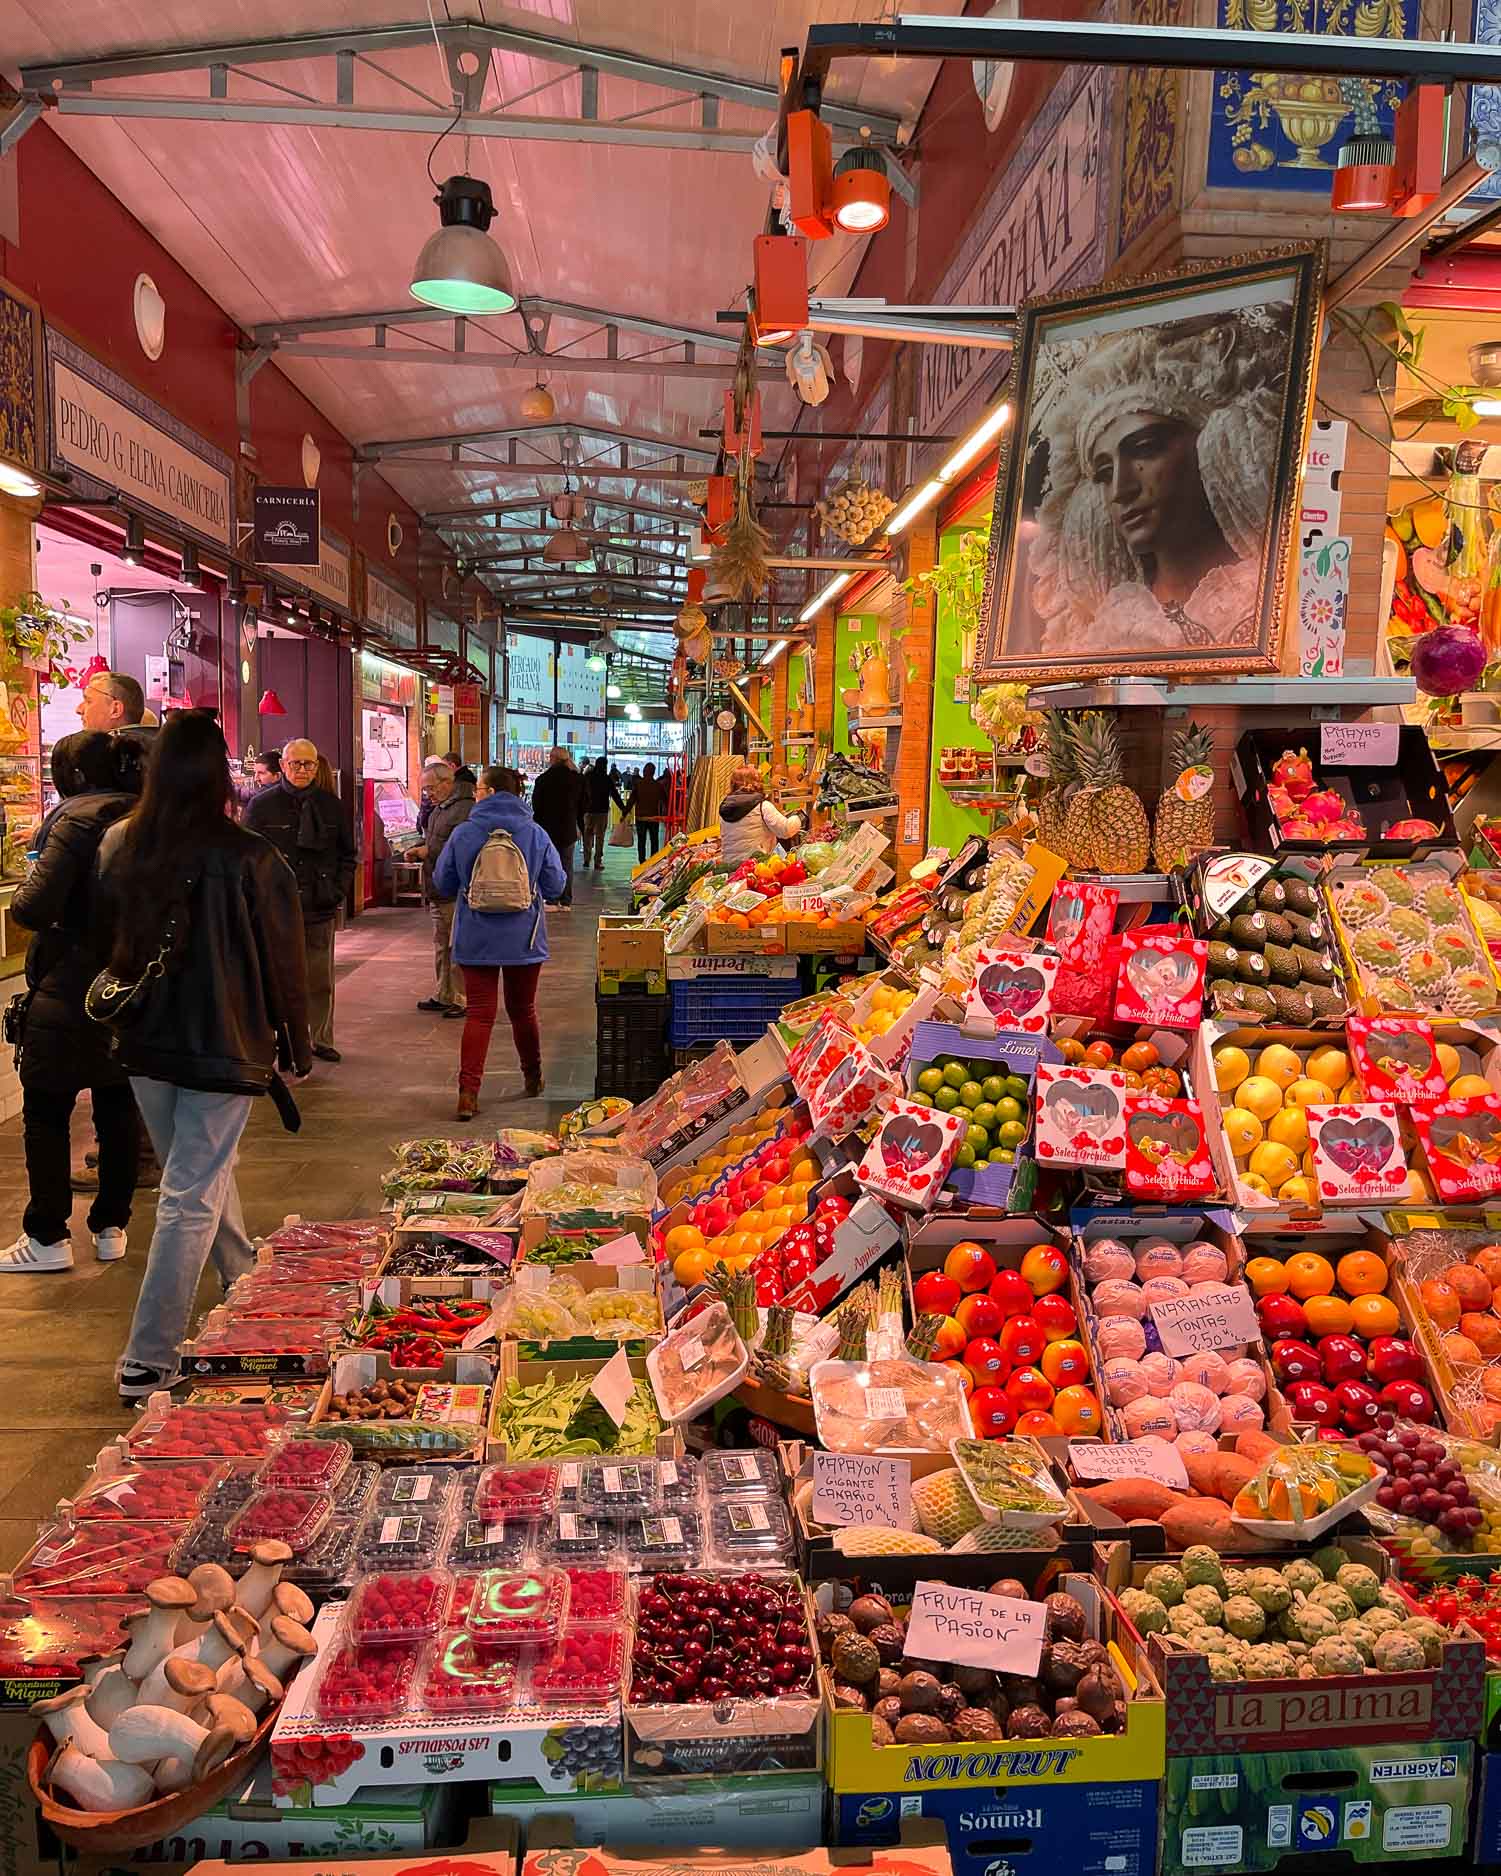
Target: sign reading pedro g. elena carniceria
column 103, row 431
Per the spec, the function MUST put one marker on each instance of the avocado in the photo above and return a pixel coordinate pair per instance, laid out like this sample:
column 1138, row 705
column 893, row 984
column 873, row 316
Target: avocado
column 1272, row 896
column 1252, row 969
column 1312, row 932
column 1314, row 967
column 1326, row 1000
column 1220, row 931
column 1248, row 930
column 1253, row 997
column 1282, row 964
column 1223, row 959
column 1301, row 896
column 1278, row 930
column 1294, row 1007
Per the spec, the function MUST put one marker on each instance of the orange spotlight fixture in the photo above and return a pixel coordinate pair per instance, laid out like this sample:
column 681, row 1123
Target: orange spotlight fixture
column 862, row 193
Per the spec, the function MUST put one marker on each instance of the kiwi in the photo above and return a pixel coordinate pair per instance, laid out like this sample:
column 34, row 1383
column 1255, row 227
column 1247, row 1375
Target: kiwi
column 1326, row 1000
column 1308, row 931
column 1282, row 964
column 1300, row 897
column 1223, row 959
column 1294, row 1007
column 1252, row 968
column 1248, row 930
column 1272, row 896
column 1314, row 967
column 1278, row 930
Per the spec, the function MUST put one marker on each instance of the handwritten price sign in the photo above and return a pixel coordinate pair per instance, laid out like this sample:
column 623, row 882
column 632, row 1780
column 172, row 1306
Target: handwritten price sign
column 975, row 1630
column 1222, row 1317
column 1359, row 745
column 849, row 1488
column 1134, row 1459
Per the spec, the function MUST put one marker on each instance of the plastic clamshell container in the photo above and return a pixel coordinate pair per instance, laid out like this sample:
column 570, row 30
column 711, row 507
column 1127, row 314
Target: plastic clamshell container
column 751, row 1472
column 400, row 1540
column 295, row 1517
column 620, row 1488
column 679, row 1479
column 587, row 1666
column 570, row 1484
column 233, row 1484
column 596, row 1597
column 499, row 1543
column 208, row 1541
column 977, row 1464
column 465, row 1675
column 575, row 1538
column 181, row 1432
column 328, row 1564
column 668, row 1540
column 151, row 1494
column 753, row 1531
column 519, row 1607
column 869, row 1414
column 516, row 1491
column 399, row 1605
column 306, row 1465
column 356, row 1490
column 685, row 1342
column 414, row 1488
column 104, row 1557
column 363, row 1682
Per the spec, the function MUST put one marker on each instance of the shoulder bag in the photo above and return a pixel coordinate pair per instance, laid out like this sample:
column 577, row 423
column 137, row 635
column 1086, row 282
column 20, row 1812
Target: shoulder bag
column 121, row 1002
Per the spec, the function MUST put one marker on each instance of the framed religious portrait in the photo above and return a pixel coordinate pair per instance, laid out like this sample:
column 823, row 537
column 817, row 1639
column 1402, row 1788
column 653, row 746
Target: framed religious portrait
column 1146, row 507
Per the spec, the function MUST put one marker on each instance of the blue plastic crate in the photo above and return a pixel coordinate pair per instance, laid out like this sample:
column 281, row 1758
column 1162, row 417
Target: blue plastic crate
column 714, row 1009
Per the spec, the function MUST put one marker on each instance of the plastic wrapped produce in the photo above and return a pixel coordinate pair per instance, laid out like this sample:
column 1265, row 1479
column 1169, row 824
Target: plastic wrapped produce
column 893, row 1405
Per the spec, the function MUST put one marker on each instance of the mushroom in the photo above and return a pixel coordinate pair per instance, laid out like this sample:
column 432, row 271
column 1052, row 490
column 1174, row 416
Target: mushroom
column 145, row 1735
column 99, row 1784
column 250, row 1681
column 66, row 1718
column 178, row 1683
column 95, row 1666
column 216, row 1593
column 230, row 1633
column 110, row 1695
column 288, row 1600
column 287, row 1644
column 225, row 1711
column 267, row 1561
column 154, row 1637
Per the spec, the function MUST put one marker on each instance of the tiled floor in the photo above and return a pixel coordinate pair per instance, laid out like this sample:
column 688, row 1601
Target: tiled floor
column 60, row 1334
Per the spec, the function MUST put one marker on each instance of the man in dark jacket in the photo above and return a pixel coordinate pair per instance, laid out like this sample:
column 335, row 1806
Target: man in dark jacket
column 557, row 807
column 647, row 800
column 452, row 794
column 305, row 824
column 600, row 791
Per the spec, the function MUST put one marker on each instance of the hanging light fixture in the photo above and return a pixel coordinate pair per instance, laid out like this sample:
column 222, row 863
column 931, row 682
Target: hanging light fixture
column 633, row 711
column 190, row 563
column 538, row 405
column 460, row 269
column 134, row 550
column 1365, row 165
column 862, row 192
column 16, row 481
column 612, row 691
column 271, row 705
column 564, row 547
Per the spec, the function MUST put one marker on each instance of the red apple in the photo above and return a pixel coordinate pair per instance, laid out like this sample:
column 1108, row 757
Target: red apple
column 1393, row 1358
column 986, row 1360
column 971, row 1266
column 966, row 1379
column 1357, row 1404
column 714, row 1218
column 1409, row 1400
column 1030, row 1391
column 993, row 1413
column 1055, row 1313
column 1022, row 1340
column 949, row 1343
column 1045, row 1269
column 980, row 1315
column 935, row 1294
column 1294, row 1361
column 1341, row 1358
column 1014, row 1294
column 1311, row 1400
column 1281, row 1316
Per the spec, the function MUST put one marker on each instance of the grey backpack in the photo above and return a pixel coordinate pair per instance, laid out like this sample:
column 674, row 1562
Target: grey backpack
column 500, row 881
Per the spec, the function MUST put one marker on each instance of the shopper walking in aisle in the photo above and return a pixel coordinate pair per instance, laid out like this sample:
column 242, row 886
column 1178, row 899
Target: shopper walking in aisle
column 60, row 1052
column 453, row 797
column 558, row 797
column 600, row 791
column 749, row 826
column 305, row 823
column 499, row 857
column 646, row 801
column 265, row 771
column 204, row 916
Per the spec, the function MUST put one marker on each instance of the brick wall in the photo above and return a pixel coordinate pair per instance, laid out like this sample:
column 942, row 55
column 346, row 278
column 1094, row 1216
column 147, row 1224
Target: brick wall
column 913, row 774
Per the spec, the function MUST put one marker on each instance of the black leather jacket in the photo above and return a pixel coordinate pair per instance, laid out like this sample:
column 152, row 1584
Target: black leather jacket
column 61, row 1048
column 237, row 1007
column 306, row 826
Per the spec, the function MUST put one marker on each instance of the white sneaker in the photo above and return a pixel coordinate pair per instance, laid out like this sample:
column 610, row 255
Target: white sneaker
column 110, row 1244
column 27, row 1258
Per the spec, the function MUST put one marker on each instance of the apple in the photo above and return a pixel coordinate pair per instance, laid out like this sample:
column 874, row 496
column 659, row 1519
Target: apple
column 993, row 1413
column 1056, row 1313
column 986, row 1360
column 1014, row 1294
column 936, row 1294
column 1341, row 1358
column 1281, row 1316
column 1357, row 1404
column 1311, row 1400
column 966, row 1379
column 980, row 1315
column 971, row 1266
column 950, row 1340
column 1022, row 1340
column 1045, row 1269
column 1030, row 1391
column 1409, row 1400
column 1295, row 1361
column 1393, row 1358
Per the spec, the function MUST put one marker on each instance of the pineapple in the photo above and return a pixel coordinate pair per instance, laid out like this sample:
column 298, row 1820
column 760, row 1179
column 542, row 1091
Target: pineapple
column 1180, row 828
column 1053, row 804
column 1105, row 829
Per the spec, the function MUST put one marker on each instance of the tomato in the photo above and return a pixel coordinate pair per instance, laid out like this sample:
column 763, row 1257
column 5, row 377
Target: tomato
column 1141, row 1055
column 1099, row 1054
column 1071, row 1049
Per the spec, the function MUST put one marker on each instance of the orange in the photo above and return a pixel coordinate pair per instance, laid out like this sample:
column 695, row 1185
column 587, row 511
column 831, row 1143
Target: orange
column 683, row 1238
column 1267, row 1276
column 743, row 1244
column 1308, row 1274
column 1374, row 1315
column 1328, row 1315
column 773, row 1197
column 692, row 1267
column 1361, row 1273
column 804, row 1167
column 738, row 921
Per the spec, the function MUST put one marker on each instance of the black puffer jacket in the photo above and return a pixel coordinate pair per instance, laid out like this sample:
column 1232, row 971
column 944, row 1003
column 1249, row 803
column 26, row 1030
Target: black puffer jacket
column 233, row 1004
column 61, row 1048
column 558, row 803
column 306, row 826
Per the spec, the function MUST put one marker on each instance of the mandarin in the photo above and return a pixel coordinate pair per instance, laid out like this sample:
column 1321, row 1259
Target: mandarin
column 1328, row 1315
column 1308, row 1274
column 1374, row 1315
column 1361, row 1273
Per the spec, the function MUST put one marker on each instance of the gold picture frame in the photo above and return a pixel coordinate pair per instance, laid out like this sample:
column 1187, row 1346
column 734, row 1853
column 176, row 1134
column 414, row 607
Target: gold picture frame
column 1145, row 509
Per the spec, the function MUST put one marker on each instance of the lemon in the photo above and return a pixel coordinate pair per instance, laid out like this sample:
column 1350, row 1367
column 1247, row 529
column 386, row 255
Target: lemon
column 1469, row 1087
column 1353, row 1090
column 1297, row 1191
column 1330, row 1066
column 1308, row 1165
column 1448, row 1059
column 1289, row 1128
column 1279, row 1063
column 1256, row 1183
column 1306, row 1092
column 1419, row 1192
column 1231, row 1066
column 1242, row 1130
column 1276, row 1164
column 1259, row 1096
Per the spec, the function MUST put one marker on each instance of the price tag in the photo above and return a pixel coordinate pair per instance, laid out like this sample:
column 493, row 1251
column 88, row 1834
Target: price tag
column 751, row 1517
column 481, row 1333
column 1219, row 1318
column 848, row 1488
column 1359, row 745
column 618, row 1251
column 741, row 1466
column 533, row 1279
column 1135, row 1459
column 614, row 1385
column 975, row 1630
column 413, row 1490
column 885, row 1403
column 691, row 1353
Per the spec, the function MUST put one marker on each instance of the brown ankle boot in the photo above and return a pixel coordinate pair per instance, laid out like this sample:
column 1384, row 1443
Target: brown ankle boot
column 534, row 1086
column 468, row 1105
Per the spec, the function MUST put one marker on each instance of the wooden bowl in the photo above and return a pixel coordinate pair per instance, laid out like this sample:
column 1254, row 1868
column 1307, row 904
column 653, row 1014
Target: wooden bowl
column 114, row 1833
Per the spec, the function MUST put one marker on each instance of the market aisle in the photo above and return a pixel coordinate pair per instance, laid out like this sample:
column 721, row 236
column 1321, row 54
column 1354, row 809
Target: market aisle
column 60, row 1334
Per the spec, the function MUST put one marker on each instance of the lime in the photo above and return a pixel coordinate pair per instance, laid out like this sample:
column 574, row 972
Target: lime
column 955, row 1074
column 978, row 1140
column 985, row 1115
column 1011, row 1132
column 994, row 1087
column 965, row 1156
column 930, row 1081
column 962, row 1113
column 1002, row 1156
column 1008, row 1108
column 946, row 1098
column 971, row 1093
column 1016, row 1087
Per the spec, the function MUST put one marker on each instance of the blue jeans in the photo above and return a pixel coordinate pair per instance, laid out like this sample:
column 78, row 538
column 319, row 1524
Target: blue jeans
column 196, row 1136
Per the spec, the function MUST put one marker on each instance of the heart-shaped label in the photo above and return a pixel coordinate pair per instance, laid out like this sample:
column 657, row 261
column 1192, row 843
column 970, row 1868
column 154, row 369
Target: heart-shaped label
column 1358, row 1147
column 906, row 1142
column 1010, row 991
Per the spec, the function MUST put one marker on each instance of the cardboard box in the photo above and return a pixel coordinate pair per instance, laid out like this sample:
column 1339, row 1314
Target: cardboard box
column 1207, row 1039
column 1411, row 788
column 844, row 938
column 730, row 964
column 637, row 1279
column 1010, row 1055
column 1371, row 1804
column 780, row 1814
column 1087, row 1830
column 490, row 1849
column 527, row 1373
column 922, row 1852
column 630, row 948
column 860, row 1242
column 732, row 941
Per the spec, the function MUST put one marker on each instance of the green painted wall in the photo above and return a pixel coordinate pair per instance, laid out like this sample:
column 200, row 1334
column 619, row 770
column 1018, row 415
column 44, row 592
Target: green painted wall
column 948, row 823
column 853, row 629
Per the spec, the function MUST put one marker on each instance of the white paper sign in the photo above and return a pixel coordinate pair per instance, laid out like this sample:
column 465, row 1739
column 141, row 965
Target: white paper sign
column 975, row 1630
column 1359, row 745
column 849, row 1488
column 1134, row 1459
column 626, row 1250
column 614, row 1385
column 1222, row 1317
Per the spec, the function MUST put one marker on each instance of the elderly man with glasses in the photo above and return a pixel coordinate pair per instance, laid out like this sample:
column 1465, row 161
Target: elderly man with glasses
column 306, row 824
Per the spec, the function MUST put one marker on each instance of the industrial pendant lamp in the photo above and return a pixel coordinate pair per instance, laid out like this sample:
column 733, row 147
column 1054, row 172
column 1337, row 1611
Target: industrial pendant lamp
column 862, row 192
column 564, row 547
column 460, row 269
column 538, row 405
column 1365, row 164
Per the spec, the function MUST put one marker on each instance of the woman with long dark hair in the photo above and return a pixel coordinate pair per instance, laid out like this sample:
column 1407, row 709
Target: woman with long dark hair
column 207, row 914
column 60, row 1051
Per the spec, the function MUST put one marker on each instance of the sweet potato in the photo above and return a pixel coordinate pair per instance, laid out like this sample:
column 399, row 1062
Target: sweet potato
column 1256, row 1445
column 1199, row 1521
column 1233, row 1471
column 1130, row 1499
column 1201, row 1470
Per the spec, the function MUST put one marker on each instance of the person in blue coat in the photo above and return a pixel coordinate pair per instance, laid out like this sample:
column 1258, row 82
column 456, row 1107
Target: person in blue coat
column 499, row 952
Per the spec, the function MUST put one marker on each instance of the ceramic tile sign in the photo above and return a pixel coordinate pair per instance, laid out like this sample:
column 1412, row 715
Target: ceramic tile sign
column 975, row 1630
column 1081, row 921
column 911, row 1155
column 1167, row 1155
column 1081, row 1116
column 1012, row 991
column 1461, row 1140
column 850, row 1093
column 1396, row 1058
column 1323, row 602
column 1357, row 1152
column 1162, row 978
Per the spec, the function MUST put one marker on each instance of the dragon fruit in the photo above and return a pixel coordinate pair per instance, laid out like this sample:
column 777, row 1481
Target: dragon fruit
column 1323, row 807
column 1294, row 773
column 1411, row 830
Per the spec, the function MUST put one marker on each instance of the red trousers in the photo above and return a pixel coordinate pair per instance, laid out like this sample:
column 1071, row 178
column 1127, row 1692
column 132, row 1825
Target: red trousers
column 481, row 984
